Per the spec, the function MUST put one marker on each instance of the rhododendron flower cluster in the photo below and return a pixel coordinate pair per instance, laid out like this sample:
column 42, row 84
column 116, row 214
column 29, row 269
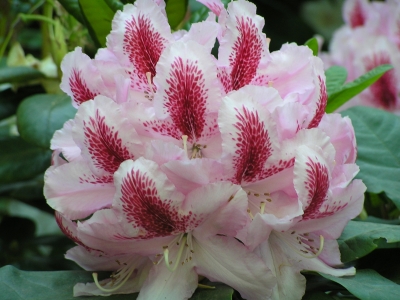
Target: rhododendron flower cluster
column 179, row 165
column 369, row 38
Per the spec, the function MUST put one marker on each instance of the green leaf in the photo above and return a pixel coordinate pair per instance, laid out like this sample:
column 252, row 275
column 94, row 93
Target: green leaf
column 45, row 222
column 115, row 5
column 98, row 18
column 176, row 11
column 72, row 7
column 335, row 78
column 313, row 45
column 378, row 143
column 20, row 160
column 317, row 296
column 40, row 115
column 368, row 285
column 18, row 74
column 197, row 16
column 29, row 285
column 360, row 238
column 351, row 89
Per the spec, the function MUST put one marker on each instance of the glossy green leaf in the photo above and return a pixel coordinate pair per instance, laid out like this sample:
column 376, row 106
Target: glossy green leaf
column 18, row 74
column 335, row 78
column 368, row 285
column 40, row 115
column 29, row 285
column 360, row 238
column 98, row 17
column 176, row 11
column 351, row 89
column 378, row 143
column 72, row 7
column 20, row 160
column 313, row 45
column 197, row 16
column 115, row 5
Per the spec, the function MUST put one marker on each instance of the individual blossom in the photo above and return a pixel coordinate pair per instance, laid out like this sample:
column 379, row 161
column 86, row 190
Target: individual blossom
column 369, row 39
column 185, row 233
column 323, row 182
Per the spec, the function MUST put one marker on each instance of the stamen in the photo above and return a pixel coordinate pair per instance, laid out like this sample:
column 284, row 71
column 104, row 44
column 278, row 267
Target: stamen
column 96, row 281
column 321, row 247
column 250, row 214
column 178, row 256
column 262, row 207
column 185, row 138
column 203, row 286
column 148, row 76
column 270, row 83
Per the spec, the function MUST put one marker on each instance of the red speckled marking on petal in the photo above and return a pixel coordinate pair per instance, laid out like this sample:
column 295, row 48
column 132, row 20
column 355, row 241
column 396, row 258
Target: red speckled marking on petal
column 143, row 45
column 384, row 89
column 185, row 101
column 80, row 91
column 253, row 146
column 104, row 145
column 246, row 53
column 317, row 185
column 357, row 17
column 275, row 169
column 323, row 99
column 64, row 228
column 145, row 209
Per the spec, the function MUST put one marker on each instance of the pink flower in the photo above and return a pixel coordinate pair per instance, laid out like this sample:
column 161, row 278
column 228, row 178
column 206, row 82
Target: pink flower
column 370, row 38
column 184, row 234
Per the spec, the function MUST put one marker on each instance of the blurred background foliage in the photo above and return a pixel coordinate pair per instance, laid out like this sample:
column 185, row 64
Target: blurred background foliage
column 34, row 37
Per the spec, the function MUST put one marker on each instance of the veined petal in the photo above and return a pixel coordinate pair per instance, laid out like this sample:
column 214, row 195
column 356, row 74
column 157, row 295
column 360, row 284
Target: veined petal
column 243, row 47
column 75, row 191
column 344, row 205
column 149, row 201
column 62, row 140
column 320, row 105
column 187, row 91
column 355, row 12
column 81, row 79
column 163, row 284
column 312, row 181
column 139, row 35
column 216, row 6
column 249, row 137
column 105, row 135
column 226, row 260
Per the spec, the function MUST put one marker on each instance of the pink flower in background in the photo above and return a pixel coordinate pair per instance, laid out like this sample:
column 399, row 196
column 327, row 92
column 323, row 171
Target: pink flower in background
column 369, row 38
column 178, row 164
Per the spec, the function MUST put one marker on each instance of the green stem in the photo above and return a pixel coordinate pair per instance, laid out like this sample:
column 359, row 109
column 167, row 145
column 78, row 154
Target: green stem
column 14, row 23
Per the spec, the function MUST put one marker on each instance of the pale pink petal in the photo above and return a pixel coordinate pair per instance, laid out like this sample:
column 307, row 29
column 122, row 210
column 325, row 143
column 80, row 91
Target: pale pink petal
column 163, row 152
column 222, row 206
column 290, row 282
column 139, row 35
column 216, row 6
column 204, row 33
column 105, row 136
column 62, row 140
column 149, row 201
column 163, row 284
column 342, row 136
column 226, row 260
column 243, row 47
column 188, row 175
column 321, row 104
column 75, row 191
column 187, row 91
column 109, row 231
column 81, row 79
column 249, row 137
